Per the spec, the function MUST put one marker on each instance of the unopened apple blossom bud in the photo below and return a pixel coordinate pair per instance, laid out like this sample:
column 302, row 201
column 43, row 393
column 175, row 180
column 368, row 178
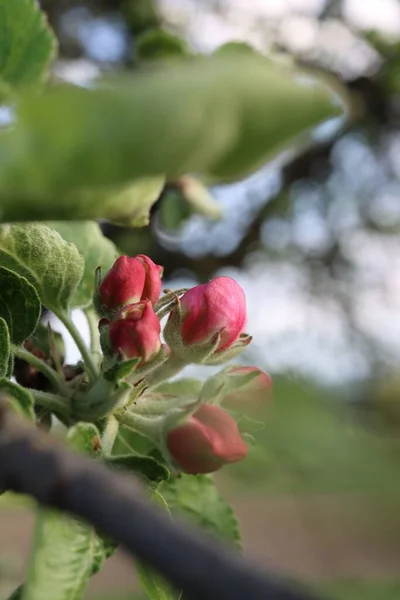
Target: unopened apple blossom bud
column 207, row 441
column 130, row 280
column 212, row 313
column 135, row 332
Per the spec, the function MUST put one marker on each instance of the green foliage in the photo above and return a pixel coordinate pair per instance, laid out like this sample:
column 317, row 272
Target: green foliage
column 145, row 467
column 19, row 305
column 196, row 498
column 61, row 558
column 19, row 397
column 27, row 45
column 4, row 348
column 97, row 251
column 156, row 44
column 216, row 115
column 48, row 262
column 154, row 586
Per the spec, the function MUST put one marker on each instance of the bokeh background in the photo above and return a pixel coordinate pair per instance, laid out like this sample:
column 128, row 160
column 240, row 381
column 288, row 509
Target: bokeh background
column 313, row 238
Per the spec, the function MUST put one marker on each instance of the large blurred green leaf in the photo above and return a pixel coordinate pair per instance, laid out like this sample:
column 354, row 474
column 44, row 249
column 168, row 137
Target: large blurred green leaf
column 27, row 44
column 223, row 116
column 48, row 262
column 96, row 249
column 19, row 305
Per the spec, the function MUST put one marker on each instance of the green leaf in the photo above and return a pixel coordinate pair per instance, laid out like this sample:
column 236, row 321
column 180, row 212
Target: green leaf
column 48, row 262
column 27, row 45
column 19, row 305
column 103, row 549
column 19, row 397
column 61, row 558
column 4, row 348
column 85, row 439
column 222, row 115
column 196, row 498
column 146, row 467
column 96, row 249
column 154, row 586
column 157, row 44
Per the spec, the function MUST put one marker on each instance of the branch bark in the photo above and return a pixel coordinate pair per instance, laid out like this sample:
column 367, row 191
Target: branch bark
column 31, row 462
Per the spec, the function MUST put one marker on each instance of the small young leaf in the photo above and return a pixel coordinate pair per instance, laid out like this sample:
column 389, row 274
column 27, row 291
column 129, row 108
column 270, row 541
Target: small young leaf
column 197, row 499
column 19, row 305
column 48, row 262
column 146, row 467
column 40, row 340
column 4, row 348
column 96, row 249
column 84, row 438
column 19, row 397
column 61, row 558
column 27, row 45
column 121, row 369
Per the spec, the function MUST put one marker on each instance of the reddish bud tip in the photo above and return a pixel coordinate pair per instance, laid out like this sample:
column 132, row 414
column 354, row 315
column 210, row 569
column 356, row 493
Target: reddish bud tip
column 130, row 280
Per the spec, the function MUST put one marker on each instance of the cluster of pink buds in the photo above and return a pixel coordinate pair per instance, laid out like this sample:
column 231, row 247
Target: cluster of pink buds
column 205, row 325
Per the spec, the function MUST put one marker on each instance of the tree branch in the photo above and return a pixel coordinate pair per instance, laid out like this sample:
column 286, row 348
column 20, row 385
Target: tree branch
column 31, row 462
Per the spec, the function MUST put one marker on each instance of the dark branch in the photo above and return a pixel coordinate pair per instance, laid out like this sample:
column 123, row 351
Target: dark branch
column 32, row 463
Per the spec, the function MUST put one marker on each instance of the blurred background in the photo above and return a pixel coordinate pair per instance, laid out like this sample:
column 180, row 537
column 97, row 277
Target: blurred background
column 313, row 239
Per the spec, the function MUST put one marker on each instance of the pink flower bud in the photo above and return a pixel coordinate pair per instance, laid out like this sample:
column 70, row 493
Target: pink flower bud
column 130, row 280
column 135, row 332
column 206, row 442
column 254, row 391
column 218, row 306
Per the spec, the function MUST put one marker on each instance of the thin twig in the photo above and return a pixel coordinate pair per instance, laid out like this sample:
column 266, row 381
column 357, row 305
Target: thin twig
column 41, row 366
column 76, row 336
column 32, row 463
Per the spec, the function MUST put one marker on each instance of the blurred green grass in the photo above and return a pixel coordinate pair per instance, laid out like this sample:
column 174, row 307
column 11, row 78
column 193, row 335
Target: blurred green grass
column 306, row 439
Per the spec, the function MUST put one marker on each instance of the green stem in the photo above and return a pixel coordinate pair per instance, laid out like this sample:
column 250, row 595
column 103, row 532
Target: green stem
column 83, row 349
column 109, row 435
column 165, row 371
column 93, row 321
column 41, row 366
column 51, row 402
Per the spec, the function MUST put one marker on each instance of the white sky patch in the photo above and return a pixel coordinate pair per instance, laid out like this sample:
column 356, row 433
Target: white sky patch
column 378, row 15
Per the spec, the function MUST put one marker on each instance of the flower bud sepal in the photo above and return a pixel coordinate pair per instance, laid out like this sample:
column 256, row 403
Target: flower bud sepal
column 198, row 353
column 104, row 398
